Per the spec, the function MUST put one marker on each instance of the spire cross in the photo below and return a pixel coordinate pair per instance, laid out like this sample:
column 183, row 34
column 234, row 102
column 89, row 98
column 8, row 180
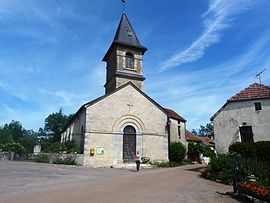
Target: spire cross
column 124, row 5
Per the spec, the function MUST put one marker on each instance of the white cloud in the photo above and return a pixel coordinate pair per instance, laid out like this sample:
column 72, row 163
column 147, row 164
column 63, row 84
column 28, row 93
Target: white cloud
column 218, row 17
column 9, row 109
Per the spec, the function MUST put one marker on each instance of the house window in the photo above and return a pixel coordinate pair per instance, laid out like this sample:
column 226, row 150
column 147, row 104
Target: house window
column 179, row 130
column 129, row 60
column 258, row 106
column 246, row 134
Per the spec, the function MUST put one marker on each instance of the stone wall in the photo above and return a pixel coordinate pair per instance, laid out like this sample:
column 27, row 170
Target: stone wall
column 106, row 119
column 76, row 130
column 7, row 155
column 228, row 121
column 77, row 158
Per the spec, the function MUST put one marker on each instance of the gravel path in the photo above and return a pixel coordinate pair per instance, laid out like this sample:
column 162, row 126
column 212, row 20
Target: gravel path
column 32, row 182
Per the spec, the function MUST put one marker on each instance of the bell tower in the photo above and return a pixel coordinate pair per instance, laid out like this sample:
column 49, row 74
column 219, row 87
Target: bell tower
column 124, row 58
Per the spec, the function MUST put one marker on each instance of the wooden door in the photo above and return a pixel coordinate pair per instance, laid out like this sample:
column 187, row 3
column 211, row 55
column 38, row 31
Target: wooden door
column 129, row 144
column 246, row 134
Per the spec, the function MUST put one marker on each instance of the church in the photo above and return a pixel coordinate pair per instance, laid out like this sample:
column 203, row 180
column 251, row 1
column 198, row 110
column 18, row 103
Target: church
column 110, row 129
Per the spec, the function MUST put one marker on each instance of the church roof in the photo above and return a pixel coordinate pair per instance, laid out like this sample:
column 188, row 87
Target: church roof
column 84, row 106
column 252, row 92
column 125, row 35
column 173, row 114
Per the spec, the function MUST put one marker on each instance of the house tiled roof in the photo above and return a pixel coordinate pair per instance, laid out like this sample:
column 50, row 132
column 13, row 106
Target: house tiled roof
column 254, row 91
column 204, row 140
column 173, row 114
column 207, row 141
column 191, row 137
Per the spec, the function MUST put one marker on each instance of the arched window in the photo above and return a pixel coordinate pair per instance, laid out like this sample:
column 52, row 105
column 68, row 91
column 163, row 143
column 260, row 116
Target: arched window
column 129, row 60
column 130, row 130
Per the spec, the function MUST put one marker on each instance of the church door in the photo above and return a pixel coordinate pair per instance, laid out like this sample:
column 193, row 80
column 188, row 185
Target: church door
column 129, row 144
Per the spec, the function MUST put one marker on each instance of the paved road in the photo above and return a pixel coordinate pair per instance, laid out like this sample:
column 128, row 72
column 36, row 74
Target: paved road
column 33, row 182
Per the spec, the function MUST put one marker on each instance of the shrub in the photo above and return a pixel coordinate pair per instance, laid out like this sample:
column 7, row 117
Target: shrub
column 258, row 168
column 263, row 150
column 66, row 161
column 194, row 148
column 207, row 152
column 220, row 169
column 13, row 147
column 177, row 152
column 145, row 160
column 256, row 150
column 167, row 164
column 220, row 163
column 42, row 158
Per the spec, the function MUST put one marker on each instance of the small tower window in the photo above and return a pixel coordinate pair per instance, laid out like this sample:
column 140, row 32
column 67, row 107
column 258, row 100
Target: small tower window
column 258, row 106
column 129, row 60
column 129, row 33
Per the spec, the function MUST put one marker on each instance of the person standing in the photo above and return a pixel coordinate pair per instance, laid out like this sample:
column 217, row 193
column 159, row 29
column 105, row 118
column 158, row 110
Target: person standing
column 137, row 160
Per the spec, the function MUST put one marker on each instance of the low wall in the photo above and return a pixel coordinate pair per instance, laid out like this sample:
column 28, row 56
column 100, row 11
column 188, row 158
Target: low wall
column 6, row 155
column 77, row 158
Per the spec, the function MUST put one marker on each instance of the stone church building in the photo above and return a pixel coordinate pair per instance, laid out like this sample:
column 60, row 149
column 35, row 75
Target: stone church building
column 111, row 128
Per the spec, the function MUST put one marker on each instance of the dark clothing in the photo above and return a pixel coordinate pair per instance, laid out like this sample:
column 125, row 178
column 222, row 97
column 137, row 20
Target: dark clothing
column 138, row 163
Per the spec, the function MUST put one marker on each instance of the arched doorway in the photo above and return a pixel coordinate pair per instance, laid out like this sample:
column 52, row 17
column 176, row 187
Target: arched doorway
column 129, row 143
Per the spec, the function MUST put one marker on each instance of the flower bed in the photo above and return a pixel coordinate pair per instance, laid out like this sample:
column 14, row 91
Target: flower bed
column 253, row 189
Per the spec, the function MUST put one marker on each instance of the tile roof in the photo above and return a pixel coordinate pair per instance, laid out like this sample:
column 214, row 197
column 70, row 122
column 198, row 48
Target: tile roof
column 204, row 140
column 191, row 137
column 254, row 91
column 207, row 141
column 174, row 115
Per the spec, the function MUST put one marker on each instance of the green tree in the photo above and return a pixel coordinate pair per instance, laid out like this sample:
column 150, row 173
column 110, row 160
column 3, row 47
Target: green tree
column 177, row 152
column 29, row 141
column 55, row 123
column 5, row 136
column 15, row 129
column 207, row 130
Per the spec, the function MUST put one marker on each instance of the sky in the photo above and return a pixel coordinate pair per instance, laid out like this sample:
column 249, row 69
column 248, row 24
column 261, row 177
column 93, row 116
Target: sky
column 200, row 53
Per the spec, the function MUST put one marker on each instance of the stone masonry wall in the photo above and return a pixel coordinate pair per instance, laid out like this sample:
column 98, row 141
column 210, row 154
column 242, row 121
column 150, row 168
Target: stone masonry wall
column 228, row 121
column 106, row 120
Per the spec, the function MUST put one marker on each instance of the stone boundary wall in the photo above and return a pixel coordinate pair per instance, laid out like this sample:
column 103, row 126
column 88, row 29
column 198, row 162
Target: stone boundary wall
column 7, row 155
column 78, row 158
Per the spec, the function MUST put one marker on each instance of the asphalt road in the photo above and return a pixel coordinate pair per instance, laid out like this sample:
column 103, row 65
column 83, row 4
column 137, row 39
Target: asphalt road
column 27, row 182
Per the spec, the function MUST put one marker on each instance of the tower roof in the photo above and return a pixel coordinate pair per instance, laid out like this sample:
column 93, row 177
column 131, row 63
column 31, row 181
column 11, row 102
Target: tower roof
column 125, row 35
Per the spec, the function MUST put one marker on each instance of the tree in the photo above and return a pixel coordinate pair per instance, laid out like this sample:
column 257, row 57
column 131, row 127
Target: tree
column 12, row 132
column 5, row 136
column 55, row 123
column 29, row 141
column 177, row 152
column 207, row 130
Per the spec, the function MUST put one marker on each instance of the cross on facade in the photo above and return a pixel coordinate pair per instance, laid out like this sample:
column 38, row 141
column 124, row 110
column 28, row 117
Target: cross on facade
column 129, row 106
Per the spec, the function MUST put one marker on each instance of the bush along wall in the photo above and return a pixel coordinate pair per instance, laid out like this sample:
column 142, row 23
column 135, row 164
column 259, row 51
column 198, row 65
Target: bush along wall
column 177, row 152
column 58, row 158
column 251, row 159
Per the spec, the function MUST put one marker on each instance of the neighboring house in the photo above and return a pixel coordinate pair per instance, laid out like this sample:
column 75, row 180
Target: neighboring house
column 244, row 117
column 203, row 141
column 111, row 128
